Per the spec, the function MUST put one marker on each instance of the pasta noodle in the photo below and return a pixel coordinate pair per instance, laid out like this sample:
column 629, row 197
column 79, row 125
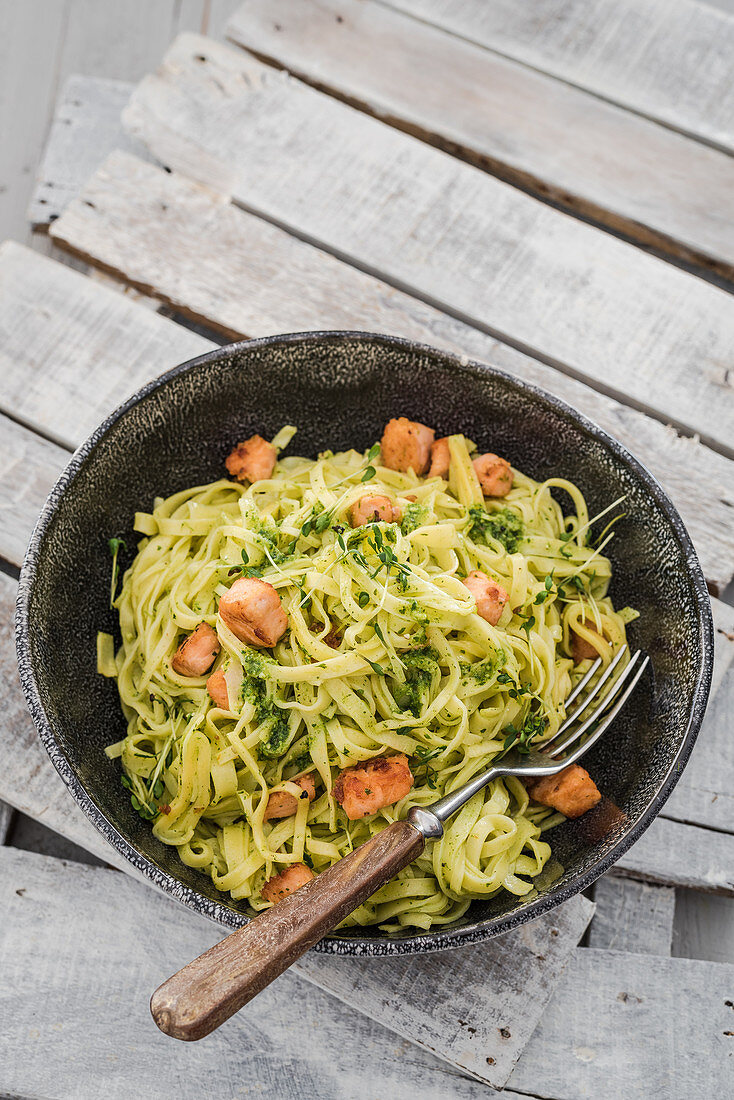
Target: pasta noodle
column 385, row 653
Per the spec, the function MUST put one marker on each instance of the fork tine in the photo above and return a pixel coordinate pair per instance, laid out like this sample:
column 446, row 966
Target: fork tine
column 598, row 711
column 583, row 749
column 582, row 683
column 571, row 718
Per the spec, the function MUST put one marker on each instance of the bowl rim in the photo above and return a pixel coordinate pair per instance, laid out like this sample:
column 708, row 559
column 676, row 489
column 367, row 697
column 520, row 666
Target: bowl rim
column 444, row 937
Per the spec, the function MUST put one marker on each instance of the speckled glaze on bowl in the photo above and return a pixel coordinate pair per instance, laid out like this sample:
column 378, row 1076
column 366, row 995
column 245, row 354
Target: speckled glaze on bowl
column 340, row 388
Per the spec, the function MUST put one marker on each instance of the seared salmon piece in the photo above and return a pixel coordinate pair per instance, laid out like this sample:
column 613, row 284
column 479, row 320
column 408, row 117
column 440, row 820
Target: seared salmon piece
column 440, row 458
column 406, row 445
column 253, row 612
column 366, row 788
column 287, row 882
column 581, row 648
column 253, row 460
column 373, row 507
column 490, row 596
column 495, row 475
column 572, row 791
column 285, row 804
column 216, row 685
column 195, row 656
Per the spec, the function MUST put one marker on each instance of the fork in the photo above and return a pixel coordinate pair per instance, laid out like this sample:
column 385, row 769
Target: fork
column 204, row 994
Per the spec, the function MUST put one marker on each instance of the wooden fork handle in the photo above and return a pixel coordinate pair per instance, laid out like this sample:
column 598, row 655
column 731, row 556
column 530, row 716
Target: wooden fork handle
column 213, row 987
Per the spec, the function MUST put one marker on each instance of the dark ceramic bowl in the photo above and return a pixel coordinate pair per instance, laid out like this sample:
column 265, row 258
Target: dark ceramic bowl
column 340, row 388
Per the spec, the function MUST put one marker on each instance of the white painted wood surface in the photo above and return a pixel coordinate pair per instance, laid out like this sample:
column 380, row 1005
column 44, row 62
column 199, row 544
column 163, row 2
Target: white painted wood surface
column 79, row 141
column 29, row 467
column 632, row 916
column 669, row 60
column 556, row 141
column 145, row 224
column 444, row 230
column 28, row 48
column 290, row 1043
column 87, row 992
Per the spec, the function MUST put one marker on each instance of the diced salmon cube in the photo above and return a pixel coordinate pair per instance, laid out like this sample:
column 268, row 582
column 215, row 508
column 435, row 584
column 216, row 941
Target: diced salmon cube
column 216, row 685
column 366, row 788
column 491, row 597
column 406, row 445
column 287, row 882
column 252, row 610
column 284, row 804
column 253, row 460
column 440, row 458
column 572, row 791
column 372, row 507
column 495, row 475
column 195, row 656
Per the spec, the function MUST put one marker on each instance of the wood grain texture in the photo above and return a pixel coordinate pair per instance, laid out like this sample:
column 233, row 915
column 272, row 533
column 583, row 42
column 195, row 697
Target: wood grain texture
column 102, row 345
column 29, row 467
column 209, row 990
column 673, row 853
column 74, row 923
column 482, row 1033
column 86, row 127
column 558, row 142
column 146, row 225
column 445, row 231
column 28, row 61
column 619, row 1022
column 669, row 60
column 632, row 916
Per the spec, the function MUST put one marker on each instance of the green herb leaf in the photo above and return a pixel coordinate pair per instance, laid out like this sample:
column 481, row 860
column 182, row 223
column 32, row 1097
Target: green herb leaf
column 363, row 599
column 368, row 474
column 373, row 451
column 375, row 667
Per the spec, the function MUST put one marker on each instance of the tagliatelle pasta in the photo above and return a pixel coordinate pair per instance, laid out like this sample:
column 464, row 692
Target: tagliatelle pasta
column 384, row 653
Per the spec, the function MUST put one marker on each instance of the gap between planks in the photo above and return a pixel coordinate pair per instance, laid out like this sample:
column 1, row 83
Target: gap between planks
column 445, row 232
column 599, row 161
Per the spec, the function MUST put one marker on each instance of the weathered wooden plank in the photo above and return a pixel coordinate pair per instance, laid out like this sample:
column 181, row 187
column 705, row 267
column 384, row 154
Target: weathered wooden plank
column 632, row 916
column 290, row 1042
column 85, row 128
column 538, row 953
column 485, row 1036
column 103, row 346
column 449, row 233
column 67, row 935
column 623, row 1026
column 28, row 58
column 699, row 796
column 556, row 141
column 147, row 224
column 676, row 854
column 703, row 927
column 29, row 466
column 667, row 59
